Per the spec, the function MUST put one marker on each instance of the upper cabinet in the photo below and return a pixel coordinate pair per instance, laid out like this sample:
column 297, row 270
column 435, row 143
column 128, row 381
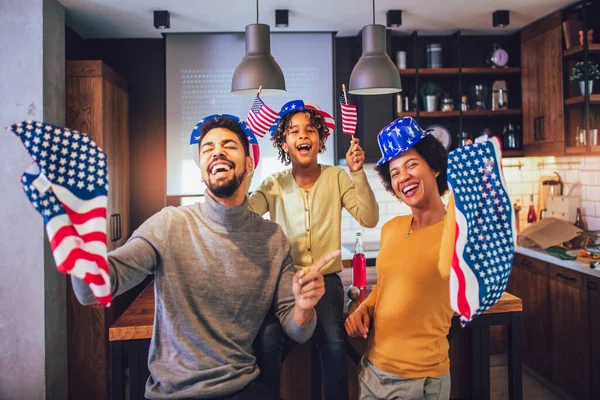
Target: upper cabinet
column 542, row 81
column 581, row 60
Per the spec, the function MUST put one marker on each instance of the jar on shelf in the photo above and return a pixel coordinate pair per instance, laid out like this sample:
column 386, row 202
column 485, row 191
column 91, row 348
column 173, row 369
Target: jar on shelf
column 464, row 103
column 447, row 103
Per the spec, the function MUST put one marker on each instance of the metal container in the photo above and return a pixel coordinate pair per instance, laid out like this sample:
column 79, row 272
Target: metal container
column 434, row 55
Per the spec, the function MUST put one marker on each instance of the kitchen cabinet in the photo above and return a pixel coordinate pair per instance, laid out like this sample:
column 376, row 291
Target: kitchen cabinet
column 541, row 63
column 560, row 324
column 97, row 104
column 529, row 281
column 593, row 294
column 569, row 331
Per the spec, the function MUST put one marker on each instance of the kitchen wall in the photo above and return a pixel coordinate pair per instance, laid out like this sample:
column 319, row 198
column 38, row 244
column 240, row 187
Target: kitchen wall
column 581, row 176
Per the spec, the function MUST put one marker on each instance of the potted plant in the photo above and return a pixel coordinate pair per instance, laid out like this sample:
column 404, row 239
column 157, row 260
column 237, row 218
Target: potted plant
column 429, row 93
column 593, row 74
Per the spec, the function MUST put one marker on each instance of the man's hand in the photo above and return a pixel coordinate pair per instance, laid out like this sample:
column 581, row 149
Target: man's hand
column 355, row 157
column 309, row 287
column 358, row 323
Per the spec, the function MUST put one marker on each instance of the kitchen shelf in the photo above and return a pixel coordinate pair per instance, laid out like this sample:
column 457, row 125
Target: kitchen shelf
column 580, row 100
column 428, row 71
column 512, row 153
column 576, row 150
column 491, row 71
column 456, row 114
column 592, row 48
column 439, row 114
column 456, row 71
column 490, row 113
column 412, row 114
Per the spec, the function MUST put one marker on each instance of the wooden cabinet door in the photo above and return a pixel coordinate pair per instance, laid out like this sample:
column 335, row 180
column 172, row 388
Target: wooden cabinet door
column 552, row 101
column 593, row 291
column 543, row 121
column 530, row 281
column 569, row 329
column 530, row 82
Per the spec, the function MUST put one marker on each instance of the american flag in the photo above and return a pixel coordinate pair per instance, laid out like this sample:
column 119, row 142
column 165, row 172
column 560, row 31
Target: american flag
column 68, row 185
column 485, row 238
column 349, row 116
column 261, row 117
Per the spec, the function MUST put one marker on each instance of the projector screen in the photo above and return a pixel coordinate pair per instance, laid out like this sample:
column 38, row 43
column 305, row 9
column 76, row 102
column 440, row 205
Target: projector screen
column 199, row 72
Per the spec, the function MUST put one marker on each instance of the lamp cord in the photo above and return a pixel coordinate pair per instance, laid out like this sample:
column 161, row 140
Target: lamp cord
column 373, row 12
column 257, row 11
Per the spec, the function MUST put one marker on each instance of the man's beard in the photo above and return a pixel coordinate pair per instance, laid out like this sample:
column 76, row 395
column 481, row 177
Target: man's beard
column 226, row 189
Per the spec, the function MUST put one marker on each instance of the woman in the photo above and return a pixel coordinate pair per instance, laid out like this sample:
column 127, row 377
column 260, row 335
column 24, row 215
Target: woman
column 409, row 309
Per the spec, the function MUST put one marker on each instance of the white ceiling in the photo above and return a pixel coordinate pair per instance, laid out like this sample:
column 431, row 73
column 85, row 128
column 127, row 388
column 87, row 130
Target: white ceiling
column 134, row 18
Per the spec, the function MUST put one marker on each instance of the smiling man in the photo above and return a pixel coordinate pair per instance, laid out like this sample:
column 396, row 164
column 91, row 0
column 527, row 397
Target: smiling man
column 307, row 201
column 214, row 283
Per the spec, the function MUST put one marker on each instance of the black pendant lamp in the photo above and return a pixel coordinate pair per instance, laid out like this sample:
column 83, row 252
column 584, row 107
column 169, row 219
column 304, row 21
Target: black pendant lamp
column 374, row 73
column 258, row 67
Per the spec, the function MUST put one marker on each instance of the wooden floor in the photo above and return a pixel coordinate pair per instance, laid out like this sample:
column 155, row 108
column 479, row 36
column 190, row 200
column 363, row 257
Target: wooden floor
column 533, row 389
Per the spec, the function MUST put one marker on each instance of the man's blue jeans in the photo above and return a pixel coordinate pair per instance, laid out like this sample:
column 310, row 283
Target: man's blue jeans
column 272, row 345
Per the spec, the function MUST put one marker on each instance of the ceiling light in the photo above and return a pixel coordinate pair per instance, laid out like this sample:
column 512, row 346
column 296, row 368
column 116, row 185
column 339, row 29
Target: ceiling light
column 394, row 18
column 374, row 73
column 281, row 18
column 258, row 67
column 501, row 18
column 162, row 20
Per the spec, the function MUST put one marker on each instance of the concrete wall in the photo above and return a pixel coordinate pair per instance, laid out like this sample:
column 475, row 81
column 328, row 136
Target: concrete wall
column 32, row 293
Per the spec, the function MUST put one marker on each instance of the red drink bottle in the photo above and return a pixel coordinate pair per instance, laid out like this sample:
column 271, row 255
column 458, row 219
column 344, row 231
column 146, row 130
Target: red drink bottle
column 359, row 264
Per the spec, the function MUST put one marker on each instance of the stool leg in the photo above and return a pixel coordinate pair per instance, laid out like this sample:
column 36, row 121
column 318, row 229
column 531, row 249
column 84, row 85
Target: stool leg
column 515, row 372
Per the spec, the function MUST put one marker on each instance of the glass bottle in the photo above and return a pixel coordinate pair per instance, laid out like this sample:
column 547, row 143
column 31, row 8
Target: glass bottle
column 579, row 220
column 464, row 104
column 531, row 215
column 359, row 264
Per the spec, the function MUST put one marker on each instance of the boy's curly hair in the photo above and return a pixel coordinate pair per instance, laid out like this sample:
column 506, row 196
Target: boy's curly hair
column 278, row 137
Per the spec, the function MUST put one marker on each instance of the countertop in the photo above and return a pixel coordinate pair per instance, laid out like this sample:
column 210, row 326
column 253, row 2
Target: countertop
column 573, row 265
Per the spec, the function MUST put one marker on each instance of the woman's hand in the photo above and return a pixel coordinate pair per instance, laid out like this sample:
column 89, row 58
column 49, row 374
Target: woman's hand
column 358, row 323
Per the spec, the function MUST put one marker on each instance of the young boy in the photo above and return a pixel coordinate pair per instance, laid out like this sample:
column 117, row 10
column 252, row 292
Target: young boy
column 307, row 202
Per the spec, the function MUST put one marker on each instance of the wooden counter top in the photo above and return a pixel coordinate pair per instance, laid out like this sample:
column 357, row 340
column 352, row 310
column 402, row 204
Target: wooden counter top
column 137, row 321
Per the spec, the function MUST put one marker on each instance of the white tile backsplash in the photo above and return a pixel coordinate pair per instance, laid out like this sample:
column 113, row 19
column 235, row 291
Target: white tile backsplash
column 579, row 174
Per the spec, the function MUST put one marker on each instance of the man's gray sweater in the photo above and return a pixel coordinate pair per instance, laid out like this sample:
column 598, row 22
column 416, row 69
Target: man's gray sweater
column 217, row 271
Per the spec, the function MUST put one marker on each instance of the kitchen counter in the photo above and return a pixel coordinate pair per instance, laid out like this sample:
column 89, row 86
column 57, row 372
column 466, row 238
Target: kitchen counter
column 543, row 256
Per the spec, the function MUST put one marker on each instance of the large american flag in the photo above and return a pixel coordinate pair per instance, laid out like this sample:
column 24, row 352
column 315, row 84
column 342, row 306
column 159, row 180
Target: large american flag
column 68, row 185
column 349, row 116
column 260, row 117
column 485, row 237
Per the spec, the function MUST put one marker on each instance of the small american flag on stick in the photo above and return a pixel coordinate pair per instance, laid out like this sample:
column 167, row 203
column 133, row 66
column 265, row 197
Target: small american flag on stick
column 261, row 117
column 349, row 115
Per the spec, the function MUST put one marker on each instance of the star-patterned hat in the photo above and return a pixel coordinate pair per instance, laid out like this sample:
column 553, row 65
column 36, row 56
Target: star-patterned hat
column 68, row 185
column 398, row 137
column 252, row 141
column 302, row 105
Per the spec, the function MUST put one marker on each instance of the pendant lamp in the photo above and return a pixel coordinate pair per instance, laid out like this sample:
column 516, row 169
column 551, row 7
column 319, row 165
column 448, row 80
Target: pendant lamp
column 258, row 67
column 374, row 73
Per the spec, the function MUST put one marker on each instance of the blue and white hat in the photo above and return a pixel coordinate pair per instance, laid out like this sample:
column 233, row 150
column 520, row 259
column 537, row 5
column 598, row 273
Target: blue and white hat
column 302, row 105
column 252, row 141
column 398, row 137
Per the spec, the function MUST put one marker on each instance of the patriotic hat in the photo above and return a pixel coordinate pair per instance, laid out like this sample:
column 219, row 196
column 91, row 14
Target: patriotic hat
column 68, row 185
column 302, row 105
column 398, row 137
column 252, row 141
column 478, row 243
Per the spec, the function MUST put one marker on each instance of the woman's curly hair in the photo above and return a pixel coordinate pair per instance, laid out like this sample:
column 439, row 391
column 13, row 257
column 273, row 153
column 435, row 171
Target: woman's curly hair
column 278, row 137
